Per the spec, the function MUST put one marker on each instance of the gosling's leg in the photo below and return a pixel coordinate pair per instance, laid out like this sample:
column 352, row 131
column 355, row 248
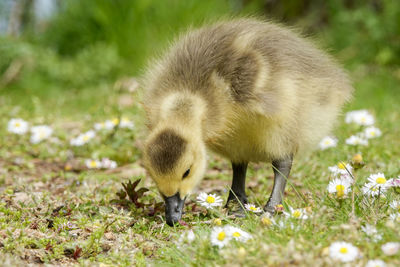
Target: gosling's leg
column 237, row 192
column 281, row 173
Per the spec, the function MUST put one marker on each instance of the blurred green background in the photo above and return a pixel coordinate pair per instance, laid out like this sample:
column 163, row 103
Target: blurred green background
column 69, row 54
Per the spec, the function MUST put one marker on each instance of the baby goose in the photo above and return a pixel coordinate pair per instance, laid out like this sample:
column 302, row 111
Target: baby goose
column 249, row 90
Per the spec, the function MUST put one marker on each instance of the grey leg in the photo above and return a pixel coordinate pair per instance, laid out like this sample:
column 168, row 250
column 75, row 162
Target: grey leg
column 237, row 191
column 281, row 172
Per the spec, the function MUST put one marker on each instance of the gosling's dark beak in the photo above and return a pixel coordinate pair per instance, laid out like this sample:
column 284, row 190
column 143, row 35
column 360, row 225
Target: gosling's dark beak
column 173, row 208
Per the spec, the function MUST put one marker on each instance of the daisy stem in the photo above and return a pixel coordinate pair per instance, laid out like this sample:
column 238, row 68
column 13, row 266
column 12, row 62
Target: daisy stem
column 379, row 195
column 352, row 194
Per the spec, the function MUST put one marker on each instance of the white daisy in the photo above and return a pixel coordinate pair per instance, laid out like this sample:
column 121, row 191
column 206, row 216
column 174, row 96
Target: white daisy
column 209, row 200
column 369, row 229
column 339, row 187
column 110, row 124
column 187, row 236
column 375, row 263
column 360, row 117
column 252, row 208
column 327, row 142
column 219, row 237
column 371, row 232
column 283, row 224
column 296, row 213
column 373, row 190
column 17, row 126
column 35, row 139
column 372, row 132
column 93, row 164
column 190, row 236
column 341, row 168
column 40, row 133
column 100, row 126
column 347, row 177
column 394, row 182
column 376, row 238
column 76, row 141
column 267, row 220
column 106, row 163
column 88, row 135
column 126, row 123
column 391, row 248
column 83, row 138
column 237, row 233
column 378, row 179
column 343, row 251
column 395, row 204
column 395, row 217
column 356, row 140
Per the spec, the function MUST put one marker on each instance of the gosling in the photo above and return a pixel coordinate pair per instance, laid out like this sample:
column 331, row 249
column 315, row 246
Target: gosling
column 249, row 90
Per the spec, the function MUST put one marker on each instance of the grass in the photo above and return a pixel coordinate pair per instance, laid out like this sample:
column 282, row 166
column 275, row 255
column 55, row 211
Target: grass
column 54, row 210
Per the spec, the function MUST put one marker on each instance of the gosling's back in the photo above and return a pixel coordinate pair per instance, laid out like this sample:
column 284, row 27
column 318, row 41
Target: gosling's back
column 268, row 92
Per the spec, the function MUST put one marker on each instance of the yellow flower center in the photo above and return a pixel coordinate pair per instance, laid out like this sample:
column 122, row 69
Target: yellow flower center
column 380, row 180
column 340, row 190
column 266, row 221
column 341, row 166
column 68, row 167
column 210, row 199
column 252, row 208
column 372, row 133
column 236, row 234
column 296, row 213
column 374, row 189
column 93, row 164
column 363, row 119
column 221, row 236
column 115, row 121
column 85, row 138
column 217, row 221
column 343, row 250
column 17, row 124
column 357, row 158
column 327, row 142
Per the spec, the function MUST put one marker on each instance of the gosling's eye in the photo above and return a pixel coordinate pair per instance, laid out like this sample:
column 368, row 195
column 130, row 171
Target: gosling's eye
column 186, row 173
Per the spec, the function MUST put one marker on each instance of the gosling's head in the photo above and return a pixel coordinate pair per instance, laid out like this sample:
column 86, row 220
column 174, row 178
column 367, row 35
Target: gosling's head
column 176, row 162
